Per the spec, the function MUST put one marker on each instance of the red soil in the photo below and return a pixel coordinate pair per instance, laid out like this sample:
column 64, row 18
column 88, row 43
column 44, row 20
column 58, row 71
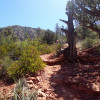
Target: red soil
column 57, row 80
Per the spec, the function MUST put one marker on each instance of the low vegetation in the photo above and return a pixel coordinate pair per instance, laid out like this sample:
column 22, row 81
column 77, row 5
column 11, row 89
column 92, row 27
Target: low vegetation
column 21, row 92
column 18, row 57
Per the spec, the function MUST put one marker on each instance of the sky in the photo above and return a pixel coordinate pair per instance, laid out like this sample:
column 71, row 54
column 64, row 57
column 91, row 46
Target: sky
column 32, row 13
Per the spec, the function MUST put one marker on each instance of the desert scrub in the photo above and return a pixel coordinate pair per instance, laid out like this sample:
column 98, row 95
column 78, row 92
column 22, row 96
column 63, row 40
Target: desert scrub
column 3, row 50
column 43, row 48
column 5, row 62
column 29, row 62
column 58, row 48
column 22, row 92
column 88, row 43
column 98, row 47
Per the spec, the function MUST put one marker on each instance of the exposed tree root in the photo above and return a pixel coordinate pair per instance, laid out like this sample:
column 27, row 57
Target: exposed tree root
column 54, row 60
column 88, row 55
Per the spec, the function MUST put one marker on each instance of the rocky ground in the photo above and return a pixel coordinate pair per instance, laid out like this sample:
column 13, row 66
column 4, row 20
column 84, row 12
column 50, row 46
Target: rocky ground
column 63, row 81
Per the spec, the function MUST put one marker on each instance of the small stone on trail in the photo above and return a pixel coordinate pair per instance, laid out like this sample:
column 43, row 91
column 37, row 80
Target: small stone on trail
column 30, row 86
column 30, row 82
column 41, row 94
column 95, row 87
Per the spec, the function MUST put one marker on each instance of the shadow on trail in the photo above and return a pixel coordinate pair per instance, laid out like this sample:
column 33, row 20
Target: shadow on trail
column 69, row 89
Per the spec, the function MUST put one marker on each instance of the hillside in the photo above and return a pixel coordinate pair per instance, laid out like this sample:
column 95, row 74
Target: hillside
column 23, row 32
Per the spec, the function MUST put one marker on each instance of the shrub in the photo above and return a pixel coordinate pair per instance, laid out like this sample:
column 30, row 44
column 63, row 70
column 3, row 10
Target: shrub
column 88, row 43
column 49, row 37
column 58, row 48
column 15, row 49
column 4, row 64
column 98, row 47
column 3, row 50
column 21, row 92
column 45, row 49
column 42, row 47
column 30, row 62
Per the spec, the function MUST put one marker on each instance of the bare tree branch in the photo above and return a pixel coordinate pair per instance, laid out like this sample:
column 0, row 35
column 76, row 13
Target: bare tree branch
column 64, row 21
column 65, row 31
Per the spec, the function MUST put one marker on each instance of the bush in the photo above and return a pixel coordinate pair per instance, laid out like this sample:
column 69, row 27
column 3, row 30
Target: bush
column 58, row 49
column 42, row 47
column 98, row 47
column 49, row 37
column 3, row 50
column 4, row 64
column 88, row 43
column 30, row 62
column 45, row 49
column 21, row 92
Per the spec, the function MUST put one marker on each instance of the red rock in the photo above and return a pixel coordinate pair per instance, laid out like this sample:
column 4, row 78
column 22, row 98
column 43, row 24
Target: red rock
column 27, row 75
column 30, row 82
column 38, row 79
column 60, row 98
column 30, row 86
column 32, row 78
column 58, row 79
column 95, row 87
column 41, row 94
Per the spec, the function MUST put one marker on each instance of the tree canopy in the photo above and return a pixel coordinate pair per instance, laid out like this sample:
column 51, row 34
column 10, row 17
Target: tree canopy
column 87, row 12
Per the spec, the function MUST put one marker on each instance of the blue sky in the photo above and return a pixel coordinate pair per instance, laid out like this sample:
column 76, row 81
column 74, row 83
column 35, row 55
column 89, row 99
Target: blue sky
column 32, row 13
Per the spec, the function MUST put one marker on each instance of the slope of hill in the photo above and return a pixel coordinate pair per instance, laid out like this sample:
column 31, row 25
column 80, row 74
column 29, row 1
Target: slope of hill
column 22, row 32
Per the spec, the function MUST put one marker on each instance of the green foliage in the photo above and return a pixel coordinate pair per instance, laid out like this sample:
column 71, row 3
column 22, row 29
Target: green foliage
column 45, row 49
column 15, row 49
column 83, row 33
column 58, row 48
column 3, row 50
column 6, row 36
column 21, row 92
column 86, row 12
column 4, row 64
column 49, row 37
column 18, row 58
column 42, row 47
column 30, row 62
column 89, row 43
column 98, row 47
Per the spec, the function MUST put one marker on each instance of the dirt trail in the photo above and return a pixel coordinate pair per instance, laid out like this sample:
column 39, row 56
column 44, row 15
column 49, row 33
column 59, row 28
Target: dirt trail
column 50, row 82
column 52, row 86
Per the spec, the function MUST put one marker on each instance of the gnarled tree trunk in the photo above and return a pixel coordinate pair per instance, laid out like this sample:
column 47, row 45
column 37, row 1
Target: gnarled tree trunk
column 70, row 53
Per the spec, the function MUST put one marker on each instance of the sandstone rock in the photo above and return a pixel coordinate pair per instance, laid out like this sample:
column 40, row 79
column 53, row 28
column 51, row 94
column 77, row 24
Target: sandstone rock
column 42, row 98
column 44, row 90
column 27, row 75
column 53, row 84
column 41, row 94
column 60, row 98
column 30, row 86
column 95, row 87
column 32, row 78
column 30, row 82
column 50, row 89
column 38, row 79
column 57, row 79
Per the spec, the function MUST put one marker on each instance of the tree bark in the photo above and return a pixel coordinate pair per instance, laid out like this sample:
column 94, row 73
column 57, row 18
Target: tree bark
column 71, row 39
column 70, row 53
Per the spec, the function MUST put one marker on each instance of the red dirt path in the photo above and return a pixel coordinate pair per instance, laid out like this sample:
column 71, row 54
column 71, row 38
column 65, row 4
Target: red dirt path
column 49, row 82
